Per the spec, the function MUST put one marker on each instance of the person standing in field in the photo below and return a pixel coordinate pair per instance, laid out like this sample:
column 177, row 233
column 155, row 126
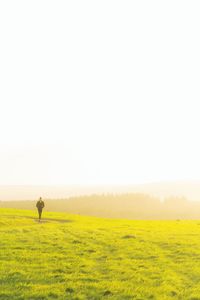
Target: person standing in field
column 40, row 206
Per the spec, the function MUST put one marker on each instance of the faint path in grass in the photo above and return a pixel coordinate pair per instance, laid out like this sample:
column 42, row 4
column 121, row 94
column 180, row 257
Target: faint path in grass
column 45, row 220
column 184, row 277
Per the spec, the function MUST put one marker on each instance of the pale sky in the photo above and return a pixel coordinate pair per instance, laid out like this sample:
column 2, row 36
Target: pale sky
column 99, row 92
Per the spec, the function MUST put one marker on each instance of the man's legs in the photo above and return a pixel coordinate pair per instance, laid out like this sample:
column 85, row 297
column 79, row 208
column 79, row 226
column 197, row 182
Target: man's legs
column 40, row 213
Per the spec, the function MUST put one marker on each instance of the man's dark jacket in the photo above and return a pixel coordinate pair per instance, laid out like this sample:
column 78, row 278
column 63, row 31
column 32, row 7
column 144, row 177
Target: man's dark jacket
column 40, row 204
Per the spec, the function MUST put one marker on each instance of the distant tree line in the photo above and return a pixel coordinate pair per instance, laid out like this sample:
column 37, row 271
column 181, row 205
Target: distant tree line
column 130, row 206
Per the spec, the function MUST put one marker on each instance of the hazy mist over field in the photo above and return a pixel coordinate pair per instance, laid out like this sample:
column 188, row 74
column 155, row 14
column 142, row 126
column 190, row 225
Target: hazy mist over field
column 189, row 190
column 151, row 201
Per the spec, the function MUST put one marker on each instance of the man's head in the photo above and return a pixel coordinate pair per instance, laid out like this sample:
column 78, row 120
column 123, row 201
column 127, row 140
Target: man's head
column 40, row 199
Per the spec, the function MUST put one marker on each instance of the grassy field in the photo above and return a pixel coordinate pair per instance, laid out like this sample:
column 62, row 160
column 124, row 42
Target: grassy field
column 73, row 257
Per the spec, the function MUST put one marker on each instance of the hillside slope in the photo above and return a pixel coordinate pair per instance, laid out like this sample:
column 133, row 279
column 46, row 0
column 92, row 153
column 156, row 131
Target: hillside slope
column 73, row 257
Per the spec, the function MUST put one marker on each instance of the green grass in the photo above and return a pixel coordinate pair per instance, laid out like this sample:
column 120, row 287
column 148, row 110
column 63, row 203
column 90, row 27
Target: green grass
column 73, row 257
